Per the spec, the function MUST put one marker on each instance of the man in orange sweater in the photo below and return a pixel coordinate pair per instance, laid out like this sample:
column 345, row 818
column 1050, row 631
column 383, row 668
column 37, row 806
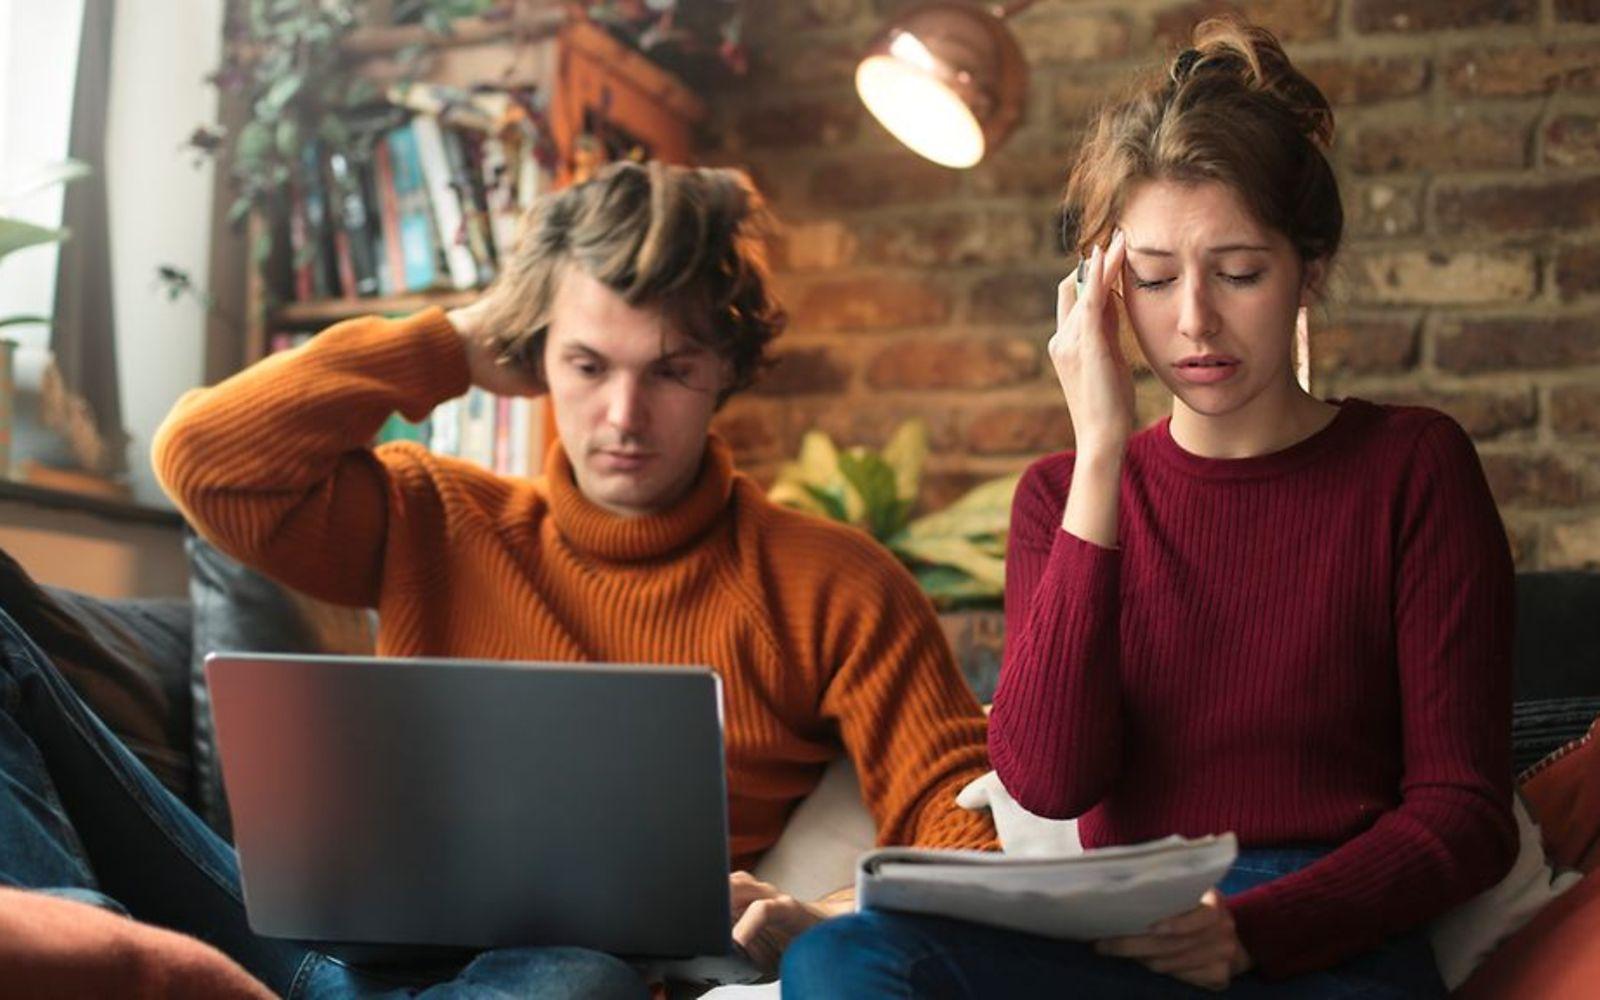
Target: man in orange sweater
column 639, row 301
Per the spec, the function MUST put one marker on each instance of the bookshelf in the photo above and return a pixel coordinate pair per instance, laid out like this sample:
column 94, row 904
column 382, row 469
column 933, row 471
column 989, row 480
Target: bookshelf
column 598, row 94
column 592, row 77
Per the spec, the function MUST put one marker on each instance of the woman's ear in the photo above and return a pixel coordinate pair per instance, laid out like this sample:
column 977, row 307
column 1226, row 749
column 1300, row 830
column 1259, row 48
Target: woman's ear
column 1313, row 277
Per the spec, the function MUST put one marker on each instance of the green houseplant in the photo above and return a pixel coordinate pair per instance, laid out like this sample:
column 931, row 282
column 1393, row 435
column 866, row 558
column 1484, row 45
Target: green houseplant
column 957, row 554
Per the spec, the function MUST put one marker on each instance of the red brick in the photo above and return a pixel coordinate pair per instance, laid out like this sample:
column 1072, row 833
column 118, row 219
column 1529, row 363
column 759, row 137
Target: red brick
column 1080, row 93
column 1573, row 141
column 824, row 244
column 1364, row 346
column 1499, row 208
column 1587, row 11
column 1577, row 271
column 870, row 421
column 1575, row 411
column 1050, row 35
column 1523, row 70
column 1368, row 79
column 1491, row 345
column 804, row 371
column 1389, row 207
column 800, row 124
column 872, row 303
column 1020, row 430
column 1434, row 15
column 1016, row 297
column 1523, row 534
column 1290, row 20
column 1573, row 544
column 1439, row 278
column 1032, row 173
column 1533, row 481
column 947, row 238
column 752, row 430
column 779, row 67
column 1445, row 144
column 954, row 364
column 1483, row 414
column 779, row 20
column 886, row 179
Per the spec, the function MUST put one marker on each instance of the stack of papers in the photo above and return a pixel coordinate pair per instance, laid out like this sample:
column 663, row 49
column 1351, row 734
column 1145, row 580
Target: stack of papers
column 1100, row 893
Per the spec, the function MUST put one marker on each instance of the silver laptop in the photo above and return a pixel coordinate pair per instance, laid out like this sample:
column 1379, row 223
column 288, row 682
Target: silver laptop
column 477, row 804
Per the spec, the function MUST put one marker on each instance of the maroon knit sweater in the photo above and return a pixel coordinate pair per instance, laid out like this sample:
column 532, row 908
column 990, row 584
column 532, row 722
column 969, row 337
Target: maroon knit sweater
column 1311, row 646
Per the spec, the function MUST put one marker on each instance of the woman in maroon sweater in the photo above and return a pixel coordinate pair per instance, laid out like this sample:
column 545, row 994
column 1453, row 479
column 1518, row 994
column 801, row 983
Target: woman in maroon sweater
column 1267, row 614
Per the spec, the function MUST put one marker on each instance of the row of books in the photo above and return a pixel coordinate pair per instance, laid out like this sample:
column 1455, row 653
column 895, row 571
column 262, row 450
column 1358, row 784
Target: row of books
column 504, row 434
column 435, row 204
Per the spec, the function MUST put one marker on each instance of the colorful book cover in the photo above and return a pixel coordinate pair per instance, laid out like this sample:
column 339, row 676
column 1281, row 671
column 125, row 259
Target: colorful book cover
column 418, row 246
column 392, row 272
column 447, row 204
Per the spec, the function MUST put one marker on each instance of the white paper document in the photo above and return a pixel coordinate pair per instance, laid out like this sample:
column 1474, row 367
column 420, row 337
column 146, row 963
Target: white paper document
column 1100, row 893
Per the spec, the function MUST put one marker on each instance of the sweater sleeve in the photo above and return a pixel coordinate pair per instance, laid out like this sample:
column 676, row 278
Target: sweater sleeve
column 904, row 713
column 274, row 464
column 1055, row 734
column 1452, row 834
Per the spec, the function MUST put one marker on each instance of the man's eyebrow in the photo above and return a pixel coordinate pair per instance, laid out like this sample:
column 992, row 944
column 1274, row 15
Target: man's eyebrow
column 689, row 350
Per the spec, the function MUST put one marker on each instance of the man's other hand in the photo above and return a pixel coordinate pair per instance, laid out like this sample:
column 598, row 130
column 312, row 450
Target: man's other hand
column 766, row 919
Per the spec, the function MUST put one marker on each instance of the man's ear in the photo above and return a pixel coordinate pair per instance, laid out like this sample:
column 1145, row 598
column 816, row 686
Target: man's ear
column 1313, row 279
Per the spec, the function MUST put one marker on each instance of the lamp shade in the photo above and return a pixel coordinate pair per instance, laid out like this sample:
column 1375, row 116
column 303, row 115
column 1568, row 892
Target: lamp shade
column 947, row 79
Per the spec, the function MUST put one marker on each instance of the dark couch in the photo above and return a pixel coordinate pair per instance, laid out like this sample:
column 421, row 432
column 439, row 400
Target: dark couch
column 138, row 662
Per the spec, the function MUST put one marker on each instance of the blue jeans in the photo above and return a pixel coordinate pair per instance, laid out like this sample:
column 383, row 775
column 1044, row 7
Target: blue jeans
column 881, row 954
column 81, row 817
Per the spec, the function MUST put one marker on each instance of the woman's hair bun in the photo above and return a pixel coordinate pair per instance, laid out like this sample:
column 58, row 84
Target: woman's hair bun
column 1228, row 49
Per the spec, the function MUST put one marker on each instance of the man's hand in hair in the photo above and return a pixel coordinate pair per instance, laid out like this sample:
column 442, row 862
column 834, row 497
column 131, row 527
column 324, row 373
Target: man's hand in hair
column 484, row 363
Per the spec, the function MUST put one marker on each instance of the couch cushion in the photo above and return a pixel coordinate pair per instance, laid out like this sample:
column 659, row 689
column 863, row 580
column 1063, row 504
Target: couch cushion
column 1564, row 793
column 119, row 657
column 1555, row 957
column 239, row 610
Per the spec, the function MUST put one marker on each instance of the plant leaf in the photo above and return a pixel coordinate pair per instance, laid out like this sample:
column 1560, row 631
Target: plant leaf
column 957, row 552
column 906, row 452
column 18, row 235
column 983, row 510
column 830, row 502
column 64, row 172
column 24, row 320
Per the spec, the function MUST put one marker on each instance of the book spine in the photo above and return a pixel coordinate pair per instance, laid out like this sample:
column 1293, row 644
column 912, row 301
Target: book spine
column 465, row 180
column 446, row 427
column 324, row 280
column 356, row 265
column 447, row 207
column 477, row 428
column 502, row 435
column 418, row 242
column 523, row 413
column 393, row 270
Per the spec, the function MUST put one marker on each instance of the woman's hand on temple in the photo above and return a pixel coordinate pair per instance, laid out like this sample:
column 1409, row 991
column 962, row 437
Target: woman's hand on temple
column 1087, row 357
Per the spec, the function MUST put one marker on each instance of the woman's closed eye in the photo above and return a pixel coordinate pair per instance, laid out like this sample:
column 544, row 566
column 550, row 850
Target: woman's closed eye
column 1157, row 284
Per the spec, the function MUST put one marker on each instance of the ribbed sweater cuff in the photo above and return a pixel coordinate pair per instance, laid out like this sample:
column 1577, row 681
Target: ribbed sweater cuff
column 420, row 355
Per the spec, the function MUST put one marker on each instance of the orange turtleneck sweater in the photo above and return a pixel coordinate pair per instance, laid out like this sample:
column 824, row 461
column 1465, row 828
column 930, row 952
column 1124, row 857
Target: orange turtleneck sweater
column 820, row 637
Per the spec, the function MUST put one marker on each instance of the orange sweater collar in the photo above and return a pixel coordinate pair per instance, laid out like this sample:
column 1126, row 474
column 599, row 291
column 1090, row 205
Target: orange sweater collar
column 600, row 533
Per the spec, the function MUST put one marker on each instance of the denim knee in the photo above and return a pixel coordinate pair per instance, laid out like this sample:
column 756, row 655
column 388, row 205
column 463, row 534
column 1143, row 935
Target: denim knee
column 556, row 973
column 844, row 954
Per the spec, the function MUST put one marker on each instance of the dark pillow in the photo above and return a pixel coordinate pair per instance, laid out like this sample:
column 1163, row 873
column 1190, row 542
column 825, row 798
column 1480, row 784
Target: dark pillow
column 237, row 609
column 1545, row 725
column 128, row 660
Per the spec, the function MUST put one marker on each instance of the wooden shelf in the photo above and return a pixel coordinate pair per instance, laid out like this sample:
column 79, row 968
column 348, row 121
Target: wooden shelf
column 117, row 510
column 321, row 312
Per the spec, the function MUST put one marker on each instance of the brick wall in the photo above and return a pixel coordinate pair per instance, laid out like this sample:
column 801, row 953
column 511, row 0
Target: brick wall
column 1468, row 150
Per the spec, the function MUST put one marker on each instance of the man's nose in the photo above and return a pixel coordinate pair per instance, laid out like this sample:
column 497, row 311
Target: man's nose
column 625, row 404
